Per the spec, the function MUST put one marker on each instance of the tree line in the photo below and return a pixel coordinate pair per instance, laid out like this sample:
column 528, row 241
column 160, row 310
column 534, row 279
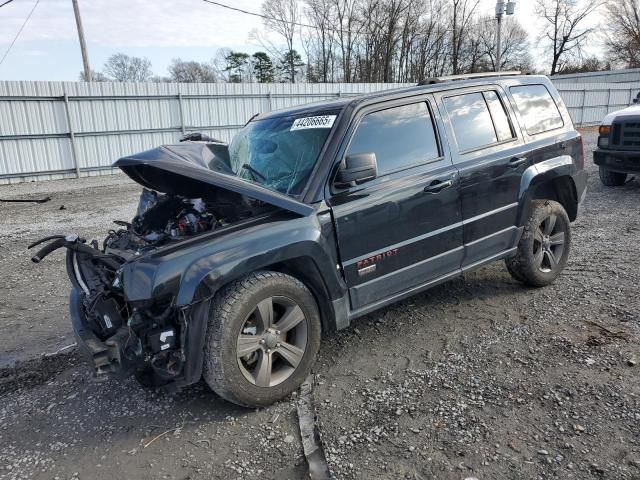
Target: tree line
column 404, row 41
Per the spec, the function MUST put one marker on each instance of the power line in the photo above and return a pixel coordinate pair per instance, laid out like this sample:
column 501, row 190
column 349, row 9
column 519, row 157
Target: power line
column 3, row 4
column 267, row 17
column 19, row 31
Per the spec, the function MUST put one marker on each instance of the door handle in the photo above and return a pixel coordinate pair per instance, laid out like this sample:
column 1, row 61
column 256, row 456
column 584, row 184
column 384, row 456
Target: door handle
column 437, row 186
column 517, row 161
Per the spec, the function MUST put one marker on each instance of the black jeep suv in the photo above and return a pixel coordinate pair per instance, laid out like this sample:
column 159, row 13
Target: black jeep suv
column 241, row 255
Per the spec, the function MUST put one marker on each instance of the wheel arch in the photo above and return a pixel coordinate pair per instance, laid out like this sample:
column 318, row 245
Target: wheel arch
column 306, row 270
column 303, row 268
column 550, row 180
column 561, row 189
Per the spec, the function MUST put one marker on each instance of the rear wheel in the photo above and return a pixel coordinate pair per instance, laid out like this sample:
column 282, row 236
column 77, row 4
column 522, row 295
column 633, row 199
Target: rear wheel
column 262, row 339
column 612, row 179
column 544, row 247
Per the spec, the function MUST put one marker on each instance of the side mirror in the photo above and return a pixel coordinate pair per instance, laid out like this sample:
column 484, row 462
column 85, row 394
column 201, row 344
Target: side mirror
column 357, row 168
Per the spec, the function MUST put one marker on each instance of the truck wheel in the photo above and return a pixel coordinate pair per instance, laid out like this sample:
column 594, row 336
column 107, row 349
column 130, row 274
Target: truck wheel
column 544, row 246
column 262, row 338
column 612, row 179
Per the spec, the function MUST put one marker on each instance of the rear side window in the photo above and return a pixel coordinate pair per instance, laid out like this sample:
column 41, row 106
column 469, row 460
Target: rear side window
column 538, row 109
column 500, row 119
column 478, row 119
column 399, row 136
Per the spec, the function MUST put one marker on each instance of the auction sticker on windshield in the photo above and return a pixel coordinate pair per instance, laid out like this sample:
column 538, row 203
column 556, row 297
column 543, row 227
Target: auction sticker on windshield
column 321, row 121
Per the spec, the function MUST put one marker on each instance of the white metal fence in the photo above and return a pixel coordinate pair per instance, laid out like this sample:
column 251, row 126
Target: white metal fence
column 52, row 130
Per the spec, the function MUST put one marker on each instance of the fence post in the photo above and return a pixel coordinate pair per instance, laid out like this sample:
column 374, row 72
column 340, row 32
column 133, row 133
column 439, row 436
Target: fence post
column 180, row 106
column 609, row 100
column 584, row 96
column 269, row 100
column 72, row 136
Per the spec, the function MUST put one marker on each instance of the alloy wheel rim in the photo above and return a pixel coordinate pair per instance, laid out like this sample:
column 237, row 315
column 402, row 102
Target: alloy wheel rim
column 548, row 244
column 272, row 341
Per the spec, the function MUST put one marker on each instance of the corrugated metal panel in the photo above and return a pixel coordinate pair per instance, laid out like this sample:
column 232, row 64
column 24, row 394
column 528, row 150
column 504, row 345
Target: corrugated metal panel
column 114, row 119
column 615, row 76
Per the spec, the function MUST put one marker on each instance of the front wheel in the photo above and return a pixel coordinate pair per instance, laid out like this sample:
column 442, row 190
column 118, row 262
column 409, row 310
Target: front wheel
column 262, row 338
column 612, row 179
column 544, row 247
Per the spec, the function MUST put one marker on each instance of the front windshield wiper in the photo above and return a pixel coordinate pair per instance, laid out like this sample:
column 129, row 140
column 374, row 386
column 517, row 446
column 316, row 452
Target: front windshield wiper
column 254, row 173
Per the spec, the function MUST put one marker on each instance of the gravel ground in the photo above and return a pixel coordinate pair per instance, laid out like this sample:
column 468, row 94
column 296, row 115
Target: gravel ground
column 477, row 378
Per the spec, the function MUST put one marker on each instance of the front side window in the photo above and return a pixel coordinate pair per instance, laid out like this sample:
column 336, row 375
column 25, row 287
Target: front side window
column 280, row 152
column 399, row 136
column 478, row 119
column 538, row 109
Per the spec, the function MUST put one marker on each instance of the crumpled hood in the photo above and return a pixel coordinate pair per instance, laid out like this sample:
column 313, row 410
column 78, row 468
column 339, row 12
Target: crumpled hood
column 194, row 170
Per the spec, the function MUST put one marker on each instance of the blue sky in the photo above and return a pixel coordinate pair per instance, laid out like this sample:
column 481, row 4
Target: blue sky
column 160, row 30
column 48, row 48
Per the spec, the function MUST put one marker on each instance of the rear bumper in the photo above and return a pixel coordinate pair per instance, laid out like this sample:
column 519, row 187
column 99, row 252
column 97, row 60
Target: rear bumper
column 624, row 161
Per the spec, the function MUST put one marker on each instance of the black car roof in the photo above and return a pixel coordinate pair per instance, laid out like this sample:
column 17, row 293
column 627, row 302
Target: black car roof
column 337, row 105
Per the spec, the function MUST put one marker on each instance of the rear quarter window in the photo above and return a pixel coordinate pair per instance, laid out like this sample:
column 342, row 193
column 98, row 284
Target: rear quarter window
column 537, row 108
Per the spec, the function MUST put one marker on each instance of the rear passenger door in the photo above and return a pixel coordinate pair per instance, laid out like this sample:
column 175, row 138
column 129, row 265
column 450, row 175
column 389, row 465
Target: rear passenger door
column 403, row 229
column 491, row 157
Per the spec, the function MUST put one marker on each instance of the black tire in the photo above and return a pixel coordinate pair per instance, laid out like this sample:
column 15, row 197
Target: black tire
column 612, row 179
column 237, row 310
column 544, row 247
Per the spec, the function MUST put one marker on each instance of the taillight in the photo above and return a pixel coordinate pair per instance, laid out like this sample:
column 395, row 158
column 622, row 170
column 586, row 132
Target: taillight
column 581, row 159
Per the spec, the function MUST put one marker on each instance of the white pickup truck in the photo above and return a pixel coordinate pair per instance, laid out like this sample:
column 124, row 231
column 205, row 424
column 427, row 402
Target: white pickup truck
column 618, row 152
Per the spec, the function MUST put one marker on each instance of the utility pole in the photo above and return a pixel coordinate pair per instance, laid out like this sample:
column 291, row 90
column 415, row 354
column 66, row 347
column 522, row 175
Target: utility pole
column 500, row 11
column 83, row 45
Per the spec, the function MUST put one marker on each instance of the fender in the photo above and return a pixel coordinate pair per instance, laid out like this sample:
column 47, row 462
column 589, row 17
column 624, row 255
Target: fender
column 545, row 171
column 214, row 262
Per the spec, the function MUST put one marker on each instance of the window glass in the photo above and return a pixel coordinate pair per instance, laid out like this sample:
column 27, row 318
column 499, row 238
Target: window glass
column 399, row 136
column 280, row 152
column 539, row 112
column 470, row 120
column 500, row 119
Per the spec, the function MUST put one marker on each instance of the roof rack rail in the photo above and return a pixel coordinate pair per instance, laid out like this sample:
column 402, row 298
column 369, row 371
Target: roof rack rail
column 468, row 76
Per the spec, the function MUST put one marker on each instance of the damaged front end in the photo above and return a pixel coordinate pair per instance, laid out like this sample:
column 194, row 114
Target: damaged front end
column 190, row 194
column 148, row 338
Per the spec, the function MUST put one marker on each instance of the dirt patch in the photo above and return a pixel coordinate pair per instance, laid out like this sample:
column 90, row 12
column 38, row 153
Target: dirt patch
column 36, row 371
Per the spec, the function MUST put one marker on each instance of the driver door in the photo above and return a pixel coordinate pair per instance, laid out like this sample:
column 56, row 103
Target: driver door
column 402, row 230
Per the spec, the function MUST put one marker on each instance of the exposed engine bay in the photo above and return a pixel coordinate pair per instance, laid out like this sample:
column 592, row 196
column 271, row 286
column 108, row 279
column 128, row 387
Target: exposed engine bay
column 148, row 339
column 189, row 192
column 165, row 218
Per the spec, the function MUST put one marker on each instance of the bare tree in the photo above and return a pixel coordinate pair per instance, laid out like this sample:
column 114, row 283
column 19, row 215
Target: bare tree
column 95, row 76
column 123, row 68
column 623, row 37
column 515, row 44
column 191, row 72
column 461, row 18
column 321, row 14
column 282, row 18
column 349, row 28
column 565, row 29
column 219, row 64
